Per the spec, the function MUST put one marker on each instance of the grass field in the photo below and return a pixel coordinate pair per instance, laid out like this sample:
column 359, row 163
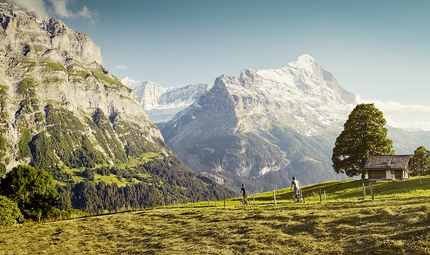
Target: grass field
column 396, row 222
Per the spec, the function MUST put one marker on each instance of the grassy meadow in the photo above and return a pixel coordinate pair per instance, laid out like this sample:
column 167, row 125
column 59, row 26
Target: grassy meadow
column 345, row 222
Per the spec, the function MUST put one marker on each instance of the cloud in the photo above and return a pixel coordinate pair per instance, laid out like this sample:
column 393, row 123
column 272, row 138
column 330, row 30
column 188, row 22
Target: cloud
column 37, row 7
column 415, row 125
column 402, row 116
column 58, row 8
column 121, row 67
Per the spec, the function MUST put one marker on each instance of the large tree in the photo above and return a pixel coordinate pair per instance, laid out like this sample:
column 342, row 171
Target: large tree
column 33, row 190
column 421, row 161
column 364, row 134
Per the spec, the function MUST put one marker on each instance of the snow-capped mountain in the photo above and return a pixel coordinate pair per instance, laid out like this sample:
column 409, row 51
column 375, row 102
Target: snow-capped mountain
column 162, row 104
column 264, row 126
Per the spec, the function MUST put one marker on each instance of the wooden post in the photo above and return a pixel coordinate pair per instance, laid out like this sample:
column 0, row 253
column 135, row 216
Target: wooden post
column 364, row 191
column 320, row 195
column 419, row 171
column 325, row 198
column 274, row 196
column 371, row 190
column 224, row 200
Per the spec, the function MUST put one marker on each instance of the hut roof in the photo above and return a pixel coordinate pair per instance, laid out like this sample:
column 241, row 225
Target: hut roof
column 387, row 161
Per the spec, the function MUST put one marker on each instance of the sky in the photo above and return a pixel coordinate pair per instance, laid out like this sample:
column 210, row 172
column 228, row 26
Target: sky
column 379, row 49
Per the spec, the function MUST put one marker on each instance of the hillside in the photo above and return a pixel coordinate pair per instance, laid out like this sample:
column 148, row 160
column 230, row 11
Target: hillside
column 397, row 222
column 406, row 142
column 63, row 112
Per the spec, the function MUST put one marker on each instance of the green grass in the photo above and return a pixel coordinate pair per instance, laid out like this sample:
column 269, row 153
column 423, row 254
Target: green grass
column 110, row 179
column 53, row 80
column 54, row 66
column 396, row 222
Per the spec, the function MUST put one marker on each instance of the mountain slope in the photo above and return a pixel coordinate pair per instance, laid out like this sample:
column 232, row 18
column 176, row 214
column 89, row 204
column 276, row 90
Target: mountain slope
column 61, row 111
column 406, row 142
column 263, row 127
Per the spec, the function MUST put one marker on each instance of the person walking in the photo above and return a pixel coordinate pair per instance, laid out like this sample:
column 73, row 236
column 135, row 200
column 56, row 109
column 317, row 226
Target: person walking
column 295, row 185
column 244, row 195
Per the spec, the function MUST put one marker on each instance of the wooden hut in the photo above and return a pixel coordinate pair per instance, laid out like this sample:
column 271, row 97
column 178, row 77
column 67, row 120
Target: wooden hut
column 388, row 167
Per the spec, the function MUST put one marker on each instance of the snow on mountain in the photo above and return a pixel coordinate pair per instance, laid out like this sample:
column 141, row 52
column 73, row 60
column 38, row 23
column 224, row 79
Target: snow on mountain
column 129, row 82
column 303, row 88
column 162, row 104
column 301, row 95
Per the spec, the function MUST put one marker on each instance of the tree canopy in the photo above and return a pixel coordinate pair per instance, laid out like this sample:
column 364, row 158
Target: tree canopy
column 421, row 161
column 31, row 189
column 364, row 134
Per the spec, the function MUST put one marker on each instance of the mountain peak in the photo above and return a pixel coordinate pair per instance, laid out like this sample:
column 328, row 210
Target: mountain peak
column 306, row 62
column 306, row 57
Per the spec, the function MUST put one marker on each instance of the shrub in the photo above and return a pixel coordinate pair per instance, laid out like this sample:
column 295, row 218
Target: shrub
column 9, row 212
column 33, row 190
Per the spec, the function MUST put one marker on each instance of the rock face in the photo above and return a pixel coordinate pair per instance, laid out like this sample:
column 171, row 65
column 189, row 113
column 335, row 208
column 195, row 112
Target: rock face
column 61, row 111
column 45, row 65
column 263, row 127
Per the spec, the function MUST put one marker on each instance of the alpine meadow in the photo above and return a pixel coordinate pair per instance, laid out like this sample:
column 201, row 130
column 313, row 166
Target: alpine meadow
column 271, row 161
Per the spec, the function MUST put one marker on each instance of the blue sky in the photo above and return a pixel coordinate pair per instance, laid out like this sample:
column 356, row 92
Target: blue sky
column 379, row 50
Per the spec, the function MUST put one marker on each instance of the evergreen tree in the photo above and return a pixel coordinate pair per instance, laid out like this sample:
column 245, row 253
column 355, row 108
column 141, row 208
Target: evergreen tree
column 364, row 134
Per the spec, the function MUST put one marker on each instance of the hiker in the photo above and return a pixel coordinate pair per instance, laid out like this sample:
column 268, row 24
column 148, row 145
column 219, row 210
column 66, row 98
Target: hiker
column 244, row 195
column 295, row 185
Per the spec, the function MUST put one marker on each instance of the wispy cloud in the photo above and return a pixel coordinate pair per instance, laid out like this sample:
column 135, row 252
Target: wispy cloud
column 121, row 67
column 57, row 8
column 402, row 116
column 60, row 7
column 38, row 7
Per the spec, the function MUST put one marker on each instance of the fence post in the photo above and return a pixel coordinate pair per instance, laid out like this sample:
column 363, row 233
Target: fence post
column 371, row 190
column 325, row 197
column 364, row 191
column 320, row 195
column 274, row 196
column 224, row 199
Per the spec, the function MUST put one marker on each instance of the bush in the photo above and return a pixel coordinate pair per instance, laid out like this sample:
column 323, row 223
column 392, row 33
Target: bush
column 9, row 212
column 31, row 189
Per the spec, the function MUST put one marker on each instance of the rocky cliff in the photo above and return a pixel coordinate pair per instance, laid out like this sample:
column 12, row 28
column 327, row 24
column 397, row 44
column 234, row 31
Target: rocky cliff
column 61, row 111
column 45, row 65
